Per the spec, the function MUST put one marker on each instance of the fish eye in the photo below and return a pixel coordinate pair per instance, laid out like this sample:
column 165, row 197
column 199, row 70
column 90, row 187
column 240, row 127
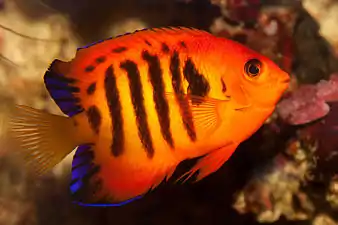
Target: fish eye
column 253, row 67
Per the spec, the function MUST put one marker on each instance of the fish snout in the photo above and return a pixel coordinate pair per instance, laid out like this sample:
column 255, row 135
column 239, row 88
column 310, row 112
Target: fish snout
column 284, row 78
column 283, row 81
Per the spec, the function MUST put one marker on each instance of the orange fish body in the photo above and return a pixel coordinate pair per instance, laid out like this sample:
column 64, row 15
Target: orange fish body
column 141, row 103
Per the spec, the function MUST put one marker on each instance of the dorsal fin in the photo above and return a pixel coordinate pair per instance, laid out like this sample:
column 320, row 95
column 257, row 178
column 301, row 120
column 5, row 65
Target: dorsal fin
column 150, row 35
column 62, row 78
column 62, row 88
column 171, row 31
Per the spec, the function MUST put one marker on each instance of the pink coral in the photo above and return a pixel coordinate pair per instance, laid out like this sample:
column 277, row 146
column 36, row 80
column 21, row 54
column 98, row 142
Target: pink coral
column 328, row 90
column 309, row 102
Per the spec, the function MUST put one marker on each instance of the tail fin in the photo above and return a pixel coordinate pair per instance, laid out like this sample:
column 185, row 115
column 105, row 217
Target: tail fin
column 44, row 139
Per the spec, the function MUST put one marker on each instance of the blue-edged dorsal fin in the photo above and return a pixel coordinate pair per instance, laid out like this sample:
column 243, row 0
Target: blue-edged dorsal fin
column 63, row 89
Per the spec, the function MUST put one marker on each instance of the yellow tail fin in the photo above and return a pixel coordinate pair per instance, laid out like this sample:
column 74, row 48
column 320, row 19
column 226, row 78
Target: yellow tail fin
column 44, row 139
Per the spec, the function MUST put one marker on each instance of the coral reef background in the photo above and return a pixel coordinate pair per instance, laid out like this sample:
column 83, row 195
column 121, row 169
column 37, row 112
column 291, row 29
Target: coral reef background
column 284, row 174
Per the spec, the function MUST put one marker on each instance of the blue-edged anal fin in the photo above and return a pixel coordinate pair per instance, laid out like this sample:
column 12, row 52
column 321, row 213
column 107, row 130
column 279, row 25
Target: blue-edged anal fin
column 114, row 182
column 210, row 163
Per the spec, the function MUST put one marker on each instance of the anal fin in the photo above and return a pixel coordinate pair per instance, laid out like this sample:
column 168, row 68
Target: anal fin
column 61, row 88
column 86, row 185
column 210, row 163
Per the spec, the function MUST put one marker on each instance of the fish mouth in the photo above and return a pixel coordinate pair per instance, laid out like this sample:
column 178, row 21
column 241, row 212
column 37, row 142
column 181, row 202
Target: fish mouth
column 284, row 82
column 285, row 79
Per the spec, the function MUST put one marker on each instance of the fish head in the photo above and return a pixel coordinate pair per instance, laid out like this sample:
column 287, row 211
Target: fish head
column 255, row 80
column 263, row 81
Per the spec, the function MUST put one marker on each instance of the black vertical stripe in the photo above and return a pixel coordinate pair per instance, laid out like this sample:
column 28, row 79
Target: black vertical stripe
column 198, row 84
column 90, row 68
column 115, row 109
column 165, row 48
column 100, row 59
column 161, row 104
column 136, row 93
column 179, row 93
column 94, row 118
column 183, row 44
column 119, row 49
column 91, row 88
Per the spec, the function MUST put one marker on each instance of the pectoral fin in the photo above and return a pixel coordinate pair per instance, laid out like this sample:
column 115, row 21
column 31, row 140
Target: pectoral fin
column 201, row 113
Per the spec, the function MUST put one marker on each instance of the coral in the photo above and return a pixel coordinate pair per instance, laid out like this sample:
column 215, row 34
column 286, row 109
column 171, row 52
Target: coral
column 264, row 27
column 276, row 188
column 309, row 102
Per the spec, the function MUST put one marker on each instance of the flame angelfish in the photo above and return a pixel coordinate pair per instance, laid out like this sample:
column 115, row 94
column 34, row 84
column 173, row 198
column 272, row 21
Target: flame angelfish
column 139, row 104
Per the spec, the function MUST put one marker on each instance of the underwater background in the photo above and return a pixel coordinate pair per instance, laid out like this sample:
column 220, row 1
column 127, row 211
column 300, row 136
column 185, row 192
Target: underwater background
column 286, row 173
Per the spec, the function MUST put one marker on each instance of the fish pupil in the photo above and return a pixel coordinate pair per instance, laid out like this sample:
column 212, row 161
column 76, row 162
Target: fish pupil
column 253, row 70
column 253, row 67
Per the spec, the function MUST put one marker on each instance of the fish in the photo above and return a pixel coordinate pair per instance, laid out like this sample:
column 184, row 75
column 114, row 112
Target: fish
column 137, row 105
